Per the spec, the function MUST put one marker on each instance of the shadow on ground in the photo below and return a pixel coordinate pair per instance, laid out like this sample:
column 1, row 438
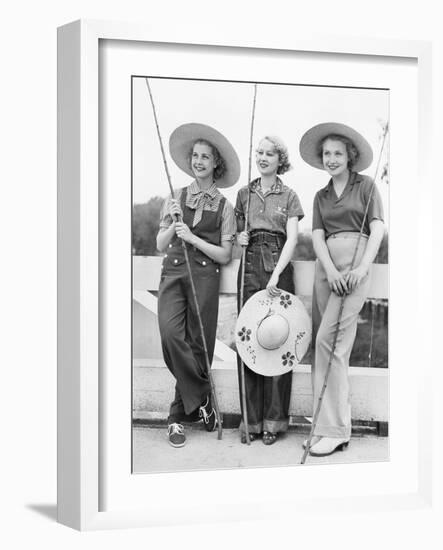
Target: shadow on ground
column 48, row 511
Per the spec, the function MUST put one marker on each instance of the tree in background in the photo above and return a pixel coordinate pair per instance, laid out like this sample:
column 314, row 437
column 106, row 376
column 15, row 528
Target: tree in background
column 146, row 217
column 383, row 252
column 384, row 172
column 145, row 220
column 304, row 249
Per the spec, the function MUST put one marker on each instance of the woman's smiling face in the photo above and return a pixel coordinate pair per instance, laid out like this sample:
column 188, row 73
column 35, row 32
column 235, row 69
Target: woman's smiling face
column 335, row 157
column 202, row 161
column 267, row 158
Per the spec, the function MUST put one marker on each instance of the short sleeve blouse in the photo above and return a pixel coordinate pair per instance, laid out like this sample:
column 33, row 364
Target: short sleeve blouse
column 345, row 213
column 267, row 211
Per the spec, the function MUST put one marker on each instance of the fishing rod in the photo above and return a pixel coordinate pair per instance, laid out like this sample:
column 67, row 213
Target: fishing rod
column 340, row 311
column 188, row 265
column 242, row 274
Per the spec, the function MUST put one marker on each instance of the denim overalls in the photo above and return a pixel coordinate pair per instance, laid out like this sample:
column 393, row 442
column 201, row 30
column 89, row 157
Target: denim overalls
column 182, row 344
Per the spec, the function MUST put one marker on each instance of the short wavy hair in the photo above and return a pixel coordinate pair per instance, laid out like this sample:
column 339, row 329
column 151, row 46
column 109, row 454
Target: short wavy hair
column 220, row 165
column 351, row 149
column 283, row 155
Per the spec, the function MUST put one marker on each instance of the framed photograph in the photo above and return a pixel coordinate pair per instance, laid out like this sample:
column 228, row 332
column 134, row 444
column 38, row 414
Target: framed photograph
column 124, row 92
column 178, row 102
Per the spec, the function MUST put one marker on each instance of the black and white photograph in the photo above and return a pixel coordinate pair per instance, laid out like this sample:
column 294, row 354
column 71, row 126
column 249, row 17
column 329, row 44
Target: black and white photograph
column 221, row 281
column 260, row 303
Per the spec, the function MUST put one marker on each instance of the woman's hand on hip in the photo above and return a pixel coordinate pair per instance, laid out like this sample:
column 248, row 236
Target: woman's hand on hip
column 183, row 232
column 337, row 282
column 355, row 277
column 243, row 238
column 271, row 287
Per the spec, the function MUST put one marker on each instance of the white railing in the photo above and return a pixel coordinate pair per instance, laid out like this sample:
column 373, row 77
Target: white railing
column 153, row 385
column 146, row 276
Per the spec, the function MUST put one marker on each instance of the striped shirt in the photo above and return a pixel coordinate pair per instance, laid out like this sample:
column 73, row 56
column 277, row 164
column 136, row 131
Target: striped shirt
column 201, row 200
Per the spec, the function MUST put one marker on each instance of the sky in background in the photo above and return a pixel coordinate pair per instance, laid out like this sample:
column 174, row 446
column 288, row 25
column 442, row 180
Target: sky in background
column 283, row 110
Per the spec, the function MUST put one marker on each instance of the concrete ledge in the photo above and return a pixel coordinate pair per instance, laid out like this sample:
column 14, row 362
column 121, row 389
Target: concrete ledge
column 153, row 389
column 146, row 276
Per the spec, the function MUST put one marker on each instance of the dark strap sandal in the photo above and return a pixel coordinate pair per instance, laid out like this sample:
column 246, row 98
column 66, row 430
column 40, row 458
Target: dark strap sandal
column 269, row 438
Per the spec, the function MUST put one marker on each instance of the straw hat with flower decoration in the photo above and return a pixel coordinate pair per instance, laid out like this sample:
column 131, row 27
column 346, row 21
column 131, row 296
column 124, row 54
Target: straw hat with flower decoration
column 272, row 334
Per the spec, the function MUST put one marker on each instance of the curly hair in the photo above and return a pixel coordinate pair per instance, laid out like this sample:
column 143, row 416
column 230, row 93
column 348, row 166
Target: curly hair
column 283, row 155
column 351, row 149
column 219, row 161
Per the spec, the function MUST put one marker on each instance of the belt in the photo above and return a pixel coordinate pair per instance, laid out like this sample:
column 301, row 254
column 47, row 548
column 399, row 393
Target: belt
column 260, row 237
column 347, row 235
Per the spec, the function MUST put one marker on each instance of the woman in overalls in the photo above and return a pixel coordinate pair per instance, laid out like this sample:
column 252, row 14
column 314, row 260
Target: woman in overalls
column 338, row 215
column 207, row 227
column 273, row 215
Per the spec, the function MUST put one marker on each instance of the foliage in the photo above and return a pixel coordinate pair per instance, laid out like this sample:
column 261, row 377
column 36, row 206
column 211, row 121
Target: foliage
column 145, row 220
column 146, row 217
column 383, row 255
column 304, row 249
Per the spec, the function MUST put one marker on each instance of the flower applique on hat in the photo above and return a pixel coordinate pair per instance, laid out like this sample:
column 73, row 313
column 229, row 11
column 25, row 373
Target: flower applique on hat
column 273, row 334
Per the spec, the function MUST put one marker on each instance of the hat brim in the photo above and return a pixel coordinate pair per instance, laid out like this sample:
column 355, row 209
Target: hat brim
column 311, row 140
column 283, row 359
column 183, row 138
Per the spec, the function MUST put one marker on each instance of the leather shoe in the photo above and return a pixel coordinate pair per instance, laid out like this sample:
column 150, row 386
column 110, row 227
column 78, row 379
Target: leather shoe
column 328, row 445
column 269, row 438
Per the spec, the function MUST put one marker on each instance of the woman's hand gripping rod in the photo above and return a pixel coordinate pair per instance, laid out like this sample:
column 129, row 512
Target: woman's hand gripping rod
column 188, row 265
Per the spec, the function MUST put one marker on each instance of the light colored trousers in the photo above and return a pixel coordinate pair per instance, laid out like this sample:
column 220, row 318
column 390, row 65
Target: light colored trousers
column 335, row 414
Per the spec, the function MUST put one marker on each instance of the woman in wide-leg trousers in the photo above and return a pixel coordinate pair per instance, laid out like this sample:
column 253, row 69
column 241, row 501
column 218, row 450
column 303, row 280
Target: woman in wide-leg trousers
column 273, row 211
column 347, row 229
column 196, row 230
column 267, row 397
column 335, row 414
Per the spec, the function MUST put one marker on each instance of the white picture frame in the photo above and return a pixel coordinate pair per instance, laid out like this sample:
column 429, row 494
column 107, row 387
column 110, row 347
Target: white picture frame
column 79, row 204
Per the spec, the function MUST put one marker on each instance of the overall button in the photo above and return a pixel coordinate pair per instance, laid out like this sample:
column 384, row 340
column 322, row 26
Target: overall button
column 203, row 262
column 170, row 245
column 175, row 261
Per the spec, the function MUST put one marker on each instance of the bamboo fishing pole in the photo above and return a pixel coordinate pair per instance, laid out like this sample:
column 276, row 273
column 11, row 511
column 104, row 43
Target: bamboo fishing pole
column 242, row 274
column 188, row 265
column 340, row 311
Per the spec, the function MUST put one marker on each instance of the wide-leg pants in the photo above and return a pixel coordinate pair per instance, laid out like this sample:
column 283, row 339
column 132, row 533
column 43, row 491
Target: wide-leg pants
column 267, row 397
column 335, row 414
column 182, row 344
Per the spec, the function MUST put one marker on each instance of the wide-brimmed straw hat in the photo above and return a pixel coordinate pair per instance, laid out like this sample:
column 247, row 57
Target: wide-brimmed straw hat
column 183, row 138
column 272, row 334
column 311, row 140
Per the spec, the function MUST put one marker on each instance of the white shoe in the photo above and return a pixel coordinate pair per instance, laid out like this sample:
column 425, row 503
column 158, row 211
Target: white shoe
column 328, row 445
column 315, row 439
